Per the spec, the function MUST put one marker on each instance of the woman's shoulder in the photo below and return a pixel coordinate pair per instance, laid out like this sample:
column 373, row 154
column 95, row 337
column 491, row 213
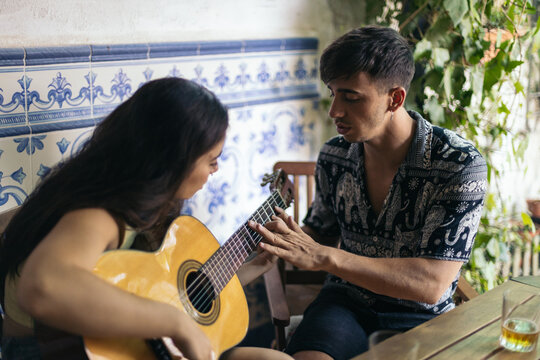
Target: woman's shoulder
column 91, row 215
column 95, row 220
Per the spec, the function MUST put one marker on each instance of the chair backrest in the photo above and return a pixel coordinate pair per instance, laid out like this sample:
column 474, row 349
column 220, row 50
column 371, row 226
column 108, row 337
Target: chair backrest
column 297, row 170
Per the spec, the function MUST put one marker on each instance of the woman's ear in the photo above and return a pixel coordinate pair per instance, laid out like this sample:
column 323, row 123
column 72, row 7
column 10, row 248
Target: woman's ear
column 397, row 98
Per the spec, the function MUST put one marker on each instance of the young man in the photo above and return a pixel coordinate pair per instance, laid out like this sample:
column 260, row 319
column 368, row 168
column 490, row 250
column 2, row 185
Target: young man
column 403, row 196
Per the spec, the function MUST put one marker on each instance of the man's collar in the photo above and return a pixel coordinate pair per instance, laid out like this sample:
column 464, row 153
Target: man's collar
column 418, row 155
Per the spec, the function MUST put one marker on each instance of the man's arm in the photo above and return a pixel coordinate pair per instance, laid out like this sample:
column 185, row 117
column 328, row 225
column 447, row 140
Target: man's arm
column 417, row 279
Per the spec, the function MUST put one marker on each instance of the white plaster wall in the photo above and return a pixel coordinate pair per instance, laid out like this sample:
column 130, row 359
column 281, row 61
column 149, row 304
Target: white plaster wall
column 63, row 22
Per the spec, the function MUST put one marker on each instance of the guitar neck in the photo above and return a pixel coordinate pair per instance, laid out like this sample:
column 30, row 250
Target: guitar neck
column 224, row 263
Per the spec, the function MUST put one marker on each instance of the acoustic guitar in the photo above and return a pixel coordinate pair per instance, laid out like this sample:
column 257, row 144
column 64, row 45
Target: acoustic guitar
column 192, row 272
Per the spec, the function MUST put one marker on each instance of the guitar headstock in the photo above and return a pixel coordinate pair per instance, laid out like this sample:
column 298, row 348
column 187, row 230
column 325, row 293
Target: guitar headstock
column 280, row 182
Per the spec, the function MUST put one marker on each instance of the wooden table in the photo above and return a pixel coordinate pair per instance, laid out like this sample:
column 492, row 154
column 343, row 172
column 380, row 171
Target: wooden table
column 470, row 331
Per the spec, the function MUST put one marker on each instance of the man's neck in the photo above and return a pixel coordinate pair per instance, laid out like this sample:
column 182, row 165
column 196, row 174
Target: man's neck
column 392, row 147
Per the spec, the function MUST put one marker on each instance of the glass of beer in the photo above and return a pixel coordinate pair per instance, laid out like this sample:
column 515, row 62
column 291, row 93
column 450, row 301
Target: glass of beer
column 520, row 320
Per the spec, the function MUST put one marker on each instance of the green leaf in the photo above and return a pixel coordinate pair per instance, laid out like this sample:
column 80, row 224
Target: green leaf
column 433, row 79
column 464, row 96
column 505, row 252
column 490, row 202
column 440, row 56
column 537, row 27
column 438, row 33
column 422, row 49
column 373, row 9
column 513, row 64
column 519, row 87
column 509, row 25
column 458, row 83
column 456, row 9
column 477, row 79
column 503, row 109
column 492, row 76
column 478, row 258
column 447, row 81
column 434, row 110
column 492, row 248
column 481, row 239
column 527, row 221
column 474, row 50
column 523, row 145
column 490, row 275
column 474, row 13
column 465, row 28
column 471, row 116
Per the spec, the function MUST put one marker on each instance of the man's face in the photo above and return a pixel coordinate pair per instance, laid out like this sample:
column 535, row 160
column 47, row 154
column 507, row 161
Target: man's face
column 359, row 111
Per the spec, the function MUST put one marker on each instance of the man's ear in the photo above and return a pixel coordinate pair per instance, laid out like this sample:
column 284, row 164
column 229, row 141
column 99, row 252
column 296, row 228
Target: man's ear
column 397, row 98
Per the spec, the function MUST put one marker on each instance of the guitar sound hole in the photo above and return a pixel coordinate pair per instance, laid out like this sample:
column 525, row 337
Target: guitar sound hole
column 200, row 291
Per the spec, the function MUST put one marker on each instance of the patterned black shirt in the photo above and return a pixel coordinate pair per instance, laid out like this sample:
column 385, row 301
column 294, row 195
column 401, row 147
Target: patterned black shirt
column 432, row 210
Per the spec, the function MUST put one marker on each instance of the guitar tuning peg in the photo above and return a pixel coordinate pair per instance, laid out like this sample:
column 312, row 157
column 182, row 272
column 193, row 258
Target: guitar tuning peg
column 267, row 178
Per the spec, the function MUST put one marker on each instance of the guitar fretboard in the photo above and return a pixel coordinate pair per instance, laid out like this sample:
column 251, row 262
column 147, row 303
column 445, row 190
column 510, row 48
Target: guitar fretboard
column 224, row 263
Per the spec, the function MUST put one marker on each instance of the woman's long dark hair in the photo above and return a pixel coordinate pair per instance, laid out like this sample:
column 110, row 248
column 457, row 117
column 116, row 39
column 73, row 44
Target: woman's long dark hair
column 132, row 165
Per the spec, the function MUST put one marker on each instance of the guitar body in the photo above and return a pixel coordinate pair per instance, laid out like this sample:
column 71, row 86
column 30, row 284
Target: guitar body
column 169, row 275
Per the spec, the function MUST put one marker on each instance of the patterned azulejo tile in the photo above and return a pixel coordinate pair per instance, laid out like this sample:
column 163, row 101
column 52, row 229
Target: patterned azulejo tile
column 15, row 170
column 12, row 88
column 56, row 147
column 58, row 87
column 115, row 82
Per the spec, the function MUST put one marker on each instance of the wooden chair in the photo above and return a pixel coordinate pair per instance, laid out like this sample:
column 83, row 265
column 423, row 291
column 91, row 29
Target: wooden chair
column 289, row 290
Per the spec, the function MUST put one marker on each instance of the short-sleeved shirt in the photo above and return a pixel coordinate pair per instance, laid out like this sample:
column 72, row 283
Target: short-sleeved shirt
column 432, row 210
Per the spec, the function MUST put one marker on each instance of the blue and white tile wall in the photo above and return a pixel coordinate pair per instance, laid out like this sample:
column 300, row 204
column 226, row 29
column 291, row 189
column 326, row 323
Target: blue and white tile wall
column 51, row 99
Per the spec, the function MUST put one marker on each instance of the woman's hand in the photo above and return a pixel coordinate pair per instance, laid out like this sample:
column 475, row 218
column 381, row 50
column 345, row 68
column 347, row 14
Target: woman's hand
column 256, row 266
column 284, row 238
column 192, row 341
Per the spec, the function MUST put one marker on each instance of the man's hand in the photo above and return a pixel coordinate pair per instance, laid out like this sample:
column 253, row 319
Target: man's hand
column 284, row 237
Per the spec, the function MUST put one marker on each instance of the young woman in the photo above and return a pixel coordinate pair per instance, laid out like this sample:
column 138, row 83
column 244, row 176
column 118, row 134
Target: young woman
column 155, row 150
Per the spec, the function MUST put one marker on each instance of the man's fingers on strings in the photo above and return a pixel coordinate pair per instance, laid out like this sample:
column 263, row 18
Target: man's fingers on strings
column 291, row 224
column 274, row 250
column 282, row 214
column 279, row 210
column 263, row 230
column 278, row 225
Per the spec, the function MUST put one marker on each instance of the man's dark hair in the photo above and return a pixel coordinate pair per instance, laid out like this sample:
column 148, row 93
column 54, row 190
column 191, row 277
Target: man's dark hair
column 380, row 52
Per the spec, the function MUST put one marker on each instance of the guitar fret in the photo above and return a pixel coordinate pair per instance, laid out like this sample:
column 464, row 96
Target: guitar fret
column 224, row 263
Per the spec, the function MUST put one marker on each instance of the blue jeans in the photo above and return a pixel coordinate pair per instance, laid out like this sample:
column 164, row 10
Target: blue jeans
column 339, row 326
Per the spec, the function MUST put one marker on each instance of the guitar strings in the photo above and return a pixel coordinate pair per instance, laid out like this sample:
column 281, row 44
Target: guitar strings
column 202, row 300
column 225, row 255
column 217, row 263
